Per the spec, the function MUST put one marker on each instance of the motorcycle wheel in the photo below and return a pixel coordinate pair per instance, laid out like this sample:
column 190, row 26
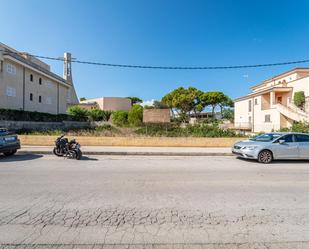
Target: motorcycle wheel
column 79, row 154
column 56, row 152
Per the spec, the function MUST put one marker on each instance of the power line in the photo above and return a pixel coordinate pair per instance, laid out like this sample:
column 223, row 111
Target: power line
column 166, row 67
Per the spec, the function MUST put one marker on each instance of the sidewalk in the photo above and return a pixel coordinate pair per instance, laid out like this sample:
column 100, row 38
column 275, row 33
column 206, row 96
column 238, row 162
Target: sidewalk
column 137, row 151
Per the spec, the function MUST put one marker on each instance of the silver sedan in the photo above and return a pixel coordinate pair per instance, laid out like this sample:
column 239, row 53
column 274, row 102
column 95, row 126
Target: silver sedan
column 276, row 145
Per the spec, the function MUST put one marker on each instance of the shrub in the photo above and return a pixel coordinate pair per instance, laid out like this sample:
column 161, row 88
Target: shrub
column 211, row 121
column 107, row 115
column 198, row 130
column 120, row 118
column 300, row 127
column 106, row 129
column 297, row 127
column 103, row 130
column 299, row 99
column 77, row 113
column 99, row 115
column 135, row 116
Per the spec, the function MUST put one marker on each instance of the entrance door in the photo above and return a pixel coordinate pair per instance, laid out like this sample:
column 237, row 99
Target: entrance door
column 279, row 100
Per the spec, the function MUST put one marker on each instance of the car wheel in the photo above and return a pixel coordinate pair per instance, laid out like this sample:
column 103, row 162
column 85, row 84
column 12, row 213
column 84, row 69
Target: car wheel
column 10, row 153
column 265, row 156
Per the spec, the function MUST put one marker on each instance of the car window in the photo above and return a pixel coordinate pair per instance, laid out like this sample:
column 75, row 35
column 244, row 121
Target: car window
column 287, row 138
column 268, row 137
column 302, row 138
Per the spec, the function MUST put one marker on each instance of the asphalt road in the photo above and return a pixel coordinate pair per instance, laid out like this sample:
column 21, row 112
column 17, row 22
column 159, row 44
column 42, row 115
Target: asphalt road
column 152, row 202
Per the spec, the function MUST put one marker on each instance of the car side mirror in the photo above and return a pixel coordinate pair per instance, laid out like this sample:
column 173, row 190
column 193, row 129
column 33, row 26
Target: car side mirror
column 281, row 141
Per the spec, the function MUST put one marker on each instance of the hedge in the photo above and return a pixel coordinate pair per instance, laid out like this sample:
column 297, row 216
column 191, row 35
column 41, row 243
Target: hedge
column 75, row 113
column 174, row 130
column 19, row 115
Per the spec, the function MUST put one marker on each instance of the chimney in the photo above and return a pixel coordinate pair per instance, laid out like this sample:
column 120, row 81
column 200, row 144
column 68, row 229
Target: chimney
column 67, row 68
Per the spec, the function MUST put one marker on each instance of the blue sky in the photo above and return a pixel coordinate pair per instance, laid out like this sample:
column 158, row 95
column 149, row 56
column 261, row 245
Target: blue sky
column 160, row 32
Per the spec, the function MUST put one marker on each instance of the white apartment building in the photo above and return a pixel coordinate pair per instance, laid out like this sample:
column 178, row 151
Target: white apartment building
column 27, row 83
column 270, row 106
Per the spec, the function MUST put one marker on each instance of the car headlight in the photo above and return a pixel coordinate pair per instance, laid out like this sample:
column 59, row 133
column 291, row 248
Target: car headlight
column 249, row 147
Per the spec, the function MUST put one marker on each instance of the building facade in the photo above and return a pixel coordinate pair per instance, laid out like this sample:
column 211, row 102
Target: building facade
column 270, row 106
column 27, row 83
column 108, row 103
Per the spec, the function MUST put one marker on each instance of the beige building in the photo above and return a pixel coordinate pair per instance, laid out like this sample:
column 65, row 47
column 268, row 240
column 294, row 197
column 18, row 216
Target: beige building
column 270, row 106
column 27, row 83
column 89, row 105
column 108, row 103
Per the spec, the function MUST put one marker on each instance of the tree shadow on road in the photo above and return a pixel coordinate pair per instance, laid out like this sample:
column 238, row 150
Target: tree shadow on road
column 19, row 157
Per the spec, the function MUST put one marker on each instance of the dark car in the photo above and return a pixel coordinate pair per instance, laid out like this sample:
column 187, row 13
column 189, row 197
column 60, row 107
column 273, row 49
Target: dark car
column 9, row 143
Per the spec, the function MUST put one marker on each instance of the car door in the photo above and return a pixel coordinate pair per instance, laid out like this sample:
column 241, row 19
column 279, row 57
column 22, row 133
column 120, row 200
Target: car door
column 303, row 144
column 287, row 150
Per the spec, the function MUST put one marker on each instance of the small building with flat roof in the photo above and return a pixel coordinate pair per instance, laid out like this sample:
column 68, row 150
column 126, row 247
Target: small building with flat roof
column 109, row 103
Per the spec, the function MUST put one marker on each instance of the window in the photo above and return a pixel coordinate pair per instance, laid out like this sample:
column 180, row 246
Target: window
column 255, row 101
column 268, row 137
column 267, row 118
column 10, row 91
column 302, row 138
column 287, row 138
column 40, row 99
column 40, row 81
column 11, row 69
column 31, row 97
column 31, row 77
column 1, row 66
column 249, row 105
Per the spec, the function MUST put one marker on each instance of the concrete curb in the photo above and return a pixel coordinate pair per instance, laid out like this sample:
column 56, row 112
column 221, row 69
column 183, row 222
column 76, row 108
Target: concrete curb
column 124, row 153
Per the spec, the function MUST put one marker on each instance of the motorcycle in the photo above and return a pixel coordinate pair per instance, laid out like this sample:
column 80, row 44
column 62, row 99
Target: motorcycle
column 66, row 148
